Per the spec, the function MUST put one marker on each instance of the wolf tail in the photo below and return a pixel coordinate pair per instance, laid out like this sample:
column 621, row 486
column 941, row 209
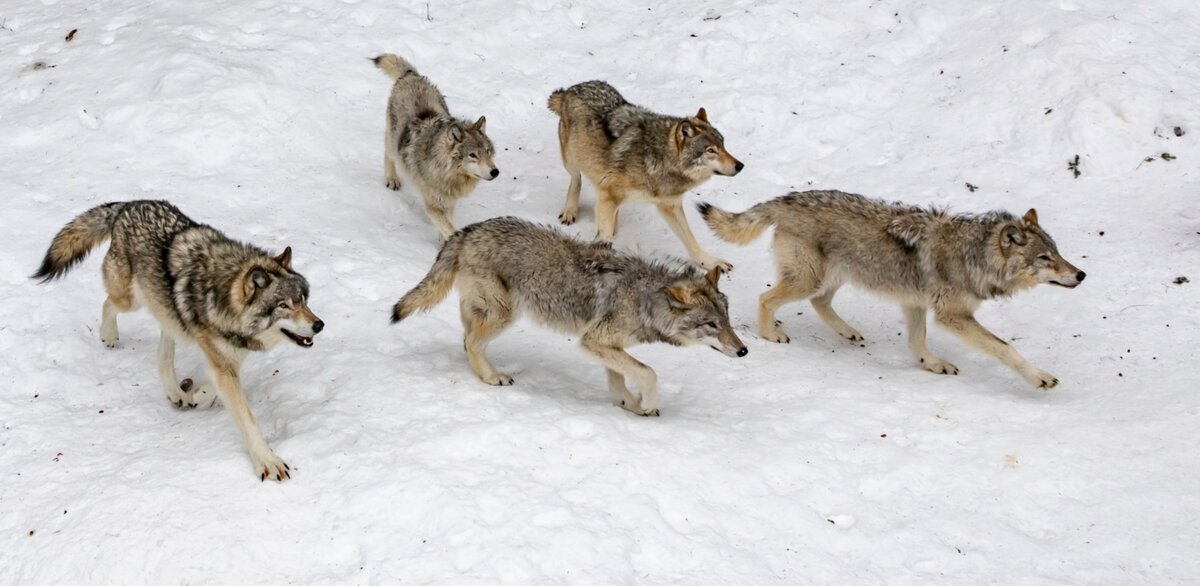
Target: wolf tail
column 739, row 228
column 436, row 285
column 393, row 65
column 555, row 103
column 77, row 239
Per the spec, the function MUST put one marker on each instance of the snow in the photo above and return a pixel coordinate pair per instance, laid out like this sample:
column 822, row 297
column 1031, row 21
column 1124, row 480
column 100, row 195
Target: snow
column 812, row 462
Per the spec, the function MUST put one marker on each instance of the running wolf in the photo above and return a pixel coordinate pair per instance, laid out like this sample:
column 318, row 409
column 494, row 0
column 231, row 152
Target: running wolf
column 445, row 157
column 227, row 297
column 925, row 259
column 632, row 154
column 612, row 300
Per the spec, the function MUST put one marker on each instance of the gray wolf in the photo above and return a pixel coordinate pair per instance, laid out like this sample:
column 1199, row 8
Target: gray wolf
column 612, row 300
column 443, row 156
column 632, row 154
column 227, row 297
column 925, row 259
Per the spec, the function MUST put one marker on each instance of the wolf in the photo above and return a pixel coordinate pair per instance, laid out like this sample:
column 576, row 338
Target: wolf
column 612, row 300
column 445, row 157
column 925, row 259
column 227, row 297
column 632, row 154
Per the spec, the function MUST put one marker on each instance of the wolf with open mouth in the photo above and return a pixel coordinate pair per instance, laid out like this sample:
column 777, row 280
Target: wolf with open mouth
column 228, row 297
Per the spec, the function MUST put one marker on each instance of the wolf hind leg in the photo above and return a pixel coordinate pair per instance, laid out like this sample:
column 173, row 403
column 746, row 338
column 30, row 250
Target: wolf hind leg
column 570, row 211
column 118, row 284
column 391, row 179
column 914, row 319
column 798, row 273
column 484, row 317
column 823, row 303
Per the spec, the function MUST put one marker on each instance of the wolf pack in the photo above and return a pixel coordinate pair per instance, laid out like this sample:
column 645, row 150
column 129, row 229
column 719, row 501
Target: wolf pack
column 232, row 298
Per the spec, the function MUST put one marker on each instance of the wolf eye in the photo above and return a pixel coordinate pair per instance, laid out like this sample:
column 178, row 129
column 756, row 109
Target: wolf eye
column 712, row 324
column 1045, row 257
column 282, row 305
column 710, row 150
column 473, row 156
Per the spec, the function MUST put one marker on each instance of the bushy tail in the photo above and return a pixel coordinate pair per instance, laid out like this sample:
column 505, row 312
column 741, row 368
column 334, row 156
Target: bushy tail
column 739, row 228
column 436, row 285
column 76, row 239
column 555, row 103
column 393, row 65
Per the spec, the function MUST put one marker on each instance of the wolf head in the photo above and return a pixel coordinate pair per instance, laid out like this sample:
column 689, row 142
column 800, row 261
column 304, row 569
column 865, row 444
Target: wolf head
column 1031, row 257
column 472, row 150
column 699, row 314
column 275, row 302
column 702, row 147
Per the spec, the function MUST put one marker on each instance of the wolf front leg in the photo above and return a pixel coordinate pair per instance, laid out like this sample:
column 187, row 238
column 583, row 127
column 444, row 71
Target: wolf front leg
column 441, row 213
column 914, row 318
column 672, row 212
column 617, row 390
column 618, row 360
column 977, row 336
column 224, row 371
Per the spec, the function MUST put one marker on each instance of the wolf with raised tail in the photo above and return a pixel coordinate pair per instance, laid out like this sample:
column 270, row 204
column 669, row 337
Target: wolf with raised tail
column 443, row 156
column 925, row 259
column 630, row 153
column 227, row 297
column 612, row 300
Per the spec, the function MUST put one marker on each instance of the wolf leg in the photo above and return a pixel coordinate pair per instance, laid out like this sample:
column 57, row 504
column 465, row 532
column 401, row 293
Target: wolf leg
column 617, row 390
column 570, row 209
column 176, row 394
column 224, row 371
column 606, row 214
column 440, row 211
column 914, row 318
column 482, row 322
column 672, row 212
column 620, row 361
column 390, row 178
column 118, row 283
column 823, row 303
column 784, row 291
column 977, row 336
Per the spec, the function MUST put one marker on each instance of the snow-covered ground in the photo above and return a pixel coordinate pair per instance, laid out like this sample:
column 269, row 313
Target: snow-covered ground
column 813, row 462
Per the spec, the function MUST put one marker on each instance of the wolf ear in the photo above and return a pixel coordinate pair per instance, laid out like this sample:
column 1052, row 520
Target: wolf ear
column 1030, row 217
column 713, row 276
column 285, row 258
column 456, row 133
column 679, row 296
column 683, row 131
column 1012, row 234
column 256, row 279
column 480, row 124
column 702, row 115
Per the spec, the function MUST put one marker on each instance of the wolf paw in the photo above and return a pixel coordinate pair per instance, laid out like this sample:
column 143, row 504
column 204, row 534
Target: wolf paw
column 392, row 184
column 712, row 262
column 268, row 465
column 633, row 406
column 776, row 335
column 851, row 335
column 191, row 396
column 181, row 395
column 938, row 366
column 499, row 380
column 1042, row 380
column 567, row 218
column 109, row 336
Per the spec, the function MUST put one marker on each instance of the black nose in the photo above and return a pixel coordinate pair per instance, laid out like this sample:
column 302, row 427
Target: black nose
column 744, row 351
column 1080, row 276
column 318, row 326
column 738, row 167
column 495, row 173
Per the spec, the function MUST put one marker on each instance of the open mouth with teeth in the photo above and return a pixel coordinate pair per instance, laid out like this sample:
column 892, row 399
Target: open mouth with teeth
column 302, row 341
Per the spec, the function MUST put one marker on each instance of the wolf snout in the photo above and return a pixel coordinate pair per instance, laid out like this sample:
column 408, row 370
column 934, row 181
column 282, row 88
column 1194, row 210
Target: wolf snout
column 742, row 351
column 1079, row 277
column 494, row 174
column 737, row 167
column 318, row 326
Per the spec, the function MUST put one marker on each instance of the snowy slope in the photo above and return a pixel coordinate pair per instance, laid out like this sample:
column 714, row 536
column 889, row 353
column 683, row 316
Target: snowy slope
column 813, row 462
